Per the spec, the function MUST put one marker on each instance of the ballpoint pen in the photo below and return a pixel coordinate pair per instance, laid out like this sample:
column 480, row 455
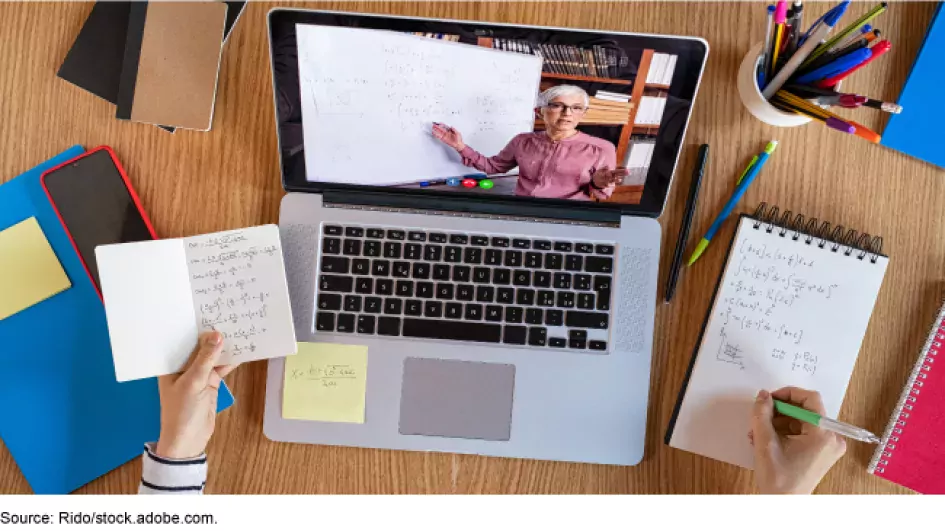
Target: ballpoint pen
column 829, row 44
column 835, row 426
column 841, row 64
column 779, row 18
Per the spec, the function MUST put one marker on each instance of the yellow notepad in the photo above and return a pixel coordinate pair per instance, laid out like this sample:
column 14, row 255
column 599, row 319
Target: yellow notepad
column 29, row 270
column 325, row 382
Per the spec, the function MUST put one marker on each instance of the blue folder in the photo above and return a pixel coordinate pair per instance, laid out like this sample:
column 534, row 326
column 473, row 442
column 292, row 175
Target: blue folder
column 917, row 130
column 63, row 416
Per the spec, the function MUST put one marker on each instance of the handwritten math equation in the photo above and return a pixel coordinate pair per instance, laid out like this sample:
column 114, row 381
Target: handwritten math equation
column 330, row 376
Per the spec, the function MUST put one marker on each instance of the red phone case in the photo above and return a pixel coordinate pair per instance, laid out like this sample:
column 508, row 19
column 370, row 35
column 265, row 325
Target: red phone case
column 134, row 198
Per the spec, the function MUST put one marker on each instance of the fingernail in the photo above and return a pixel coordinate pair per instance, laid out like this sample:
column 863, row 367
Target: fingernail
column 214, row 339
column 763, row 395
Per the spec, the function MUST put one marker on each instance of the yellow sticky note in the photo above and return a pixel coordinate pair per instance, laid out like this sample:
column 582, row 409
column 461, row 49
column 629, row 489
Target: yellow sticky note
column 29, row 270
column 326, row 382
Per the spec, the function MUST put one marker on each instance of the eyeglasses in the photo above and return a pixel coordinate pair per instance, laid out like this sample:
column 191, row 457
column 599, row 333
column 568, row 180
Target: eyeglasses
column 560, row 107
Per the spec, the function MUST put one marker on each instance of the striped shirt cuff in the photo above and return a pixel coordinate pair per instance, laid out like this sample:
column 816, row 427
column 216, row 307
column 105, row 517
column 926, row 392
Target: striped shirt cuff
column 160, row 475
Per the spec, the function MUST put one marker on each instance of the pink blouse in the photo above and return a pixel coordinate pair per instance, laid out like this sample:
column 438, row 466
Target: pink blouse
column 560, row 170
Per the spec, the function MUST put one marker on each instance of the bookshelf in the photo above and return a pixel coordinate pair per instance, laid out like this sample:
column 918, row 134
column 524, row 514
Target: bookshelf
column 588, row 79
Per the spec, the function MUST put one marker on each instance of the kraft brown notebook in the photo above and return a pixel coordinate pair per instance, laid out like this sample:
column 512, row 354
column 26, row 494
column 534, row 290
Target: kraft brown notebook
column 172, row 58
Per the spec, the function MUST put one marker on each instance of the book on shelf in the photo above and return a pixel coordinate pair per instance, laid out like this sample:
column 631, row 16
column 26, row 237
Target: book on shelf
column 441, row 36
column 650, row 112
column 596, row 61
column 661, row 69
column 611, row 96
column 637, row 160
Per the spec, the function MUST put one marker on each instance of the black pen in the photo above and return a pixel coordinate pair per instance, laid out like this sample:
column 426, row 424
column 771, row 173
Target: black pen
column 697, row 174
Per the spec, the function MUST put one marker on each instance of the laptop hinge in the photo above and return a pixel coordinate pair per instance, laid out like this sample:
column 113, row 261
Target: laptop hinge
column 466, row 207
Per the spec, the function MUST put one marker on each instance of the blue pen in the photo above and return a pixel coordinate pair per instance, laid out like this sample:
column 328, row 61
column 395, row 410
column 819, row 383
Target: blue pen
column 841, row 64
column 736, row 197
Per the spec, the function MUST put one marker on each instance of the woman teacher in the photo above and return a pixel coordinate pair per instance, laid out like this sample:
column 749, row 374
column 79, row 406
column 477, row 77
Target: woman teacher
column 559, row 162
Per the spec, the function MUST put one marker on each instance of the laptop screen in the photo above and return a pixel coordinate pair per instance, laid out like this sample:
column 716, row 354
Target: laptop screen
column 481, row 110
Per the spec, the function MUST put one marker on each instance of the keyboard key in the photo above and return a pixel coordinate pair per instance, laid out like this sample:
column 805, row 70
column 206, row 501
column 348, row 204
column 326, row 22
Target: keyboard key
column 364, row 286
column 425, row 290
column 562, row 281
column 513, row 314
column 521, row 244
column 465, row 292
column 553, row 261
column 459, row 239
column 333, row 230
column 366, row 324
column 453, row 254
column 421, row 270
column 413, row 307
column 372, row 304
column 479, row 240
column 444, row 291
column 393, row 306
column 574, row 262
column 554, row 317
column 404, row 288
column 335, row 264
column 521, row 278
column 545, row 298
column 485, row 293
column 582, row 282
column 354, row 232
column 525, row 297
column 514, row 335
column 325, row 322
column 603, row 300
column 575, row 319
column 372, row 248
column 585, row 301
column 533, row 260
column 415, row 236
column 437, row 237
column 384, row 286
column 493, row 257
column 598, row 345
column 500, row 242
column 577, row 343
column 513, row 258
column 584, row 248
column 392, row 249
column 542, row 245
column 461, row 273
column 388, row 326
column 329, row 301
column 502, row 276
column 336, row 283
column 454, row 310
column 603, row 249
column 361, row 266
column 380, row 268
column 534, row 316
column 564, row 247
column 432, row 253
column 352, row 303
column 481, row 275
column 441, row 272
column 542, row 279
column 457, row 330
column 537, row 336
column 331, row 246
column 599, row 264
column 472, row 255
column 433, row 309
column 375, row 233
column 345, row 323
column 601, row 282
column 557, row 342
column 473, row 312
column 395, row 235
column 565, row 299
column 413, row 251
column 493, row 313
column 577, row 334
column 505, row 295
column 401, row 270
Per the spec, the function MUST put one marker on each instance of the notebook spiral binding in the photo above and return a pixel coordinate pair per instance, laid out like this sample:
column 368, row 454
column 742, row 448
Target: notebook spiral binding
column 813, row 230
column 910, row 395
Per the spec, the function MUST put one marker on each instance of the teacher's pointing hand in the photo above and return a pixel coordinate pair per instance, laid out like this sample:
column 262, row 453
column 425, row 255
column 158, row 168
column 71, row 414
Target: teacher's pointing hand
column 448, row 136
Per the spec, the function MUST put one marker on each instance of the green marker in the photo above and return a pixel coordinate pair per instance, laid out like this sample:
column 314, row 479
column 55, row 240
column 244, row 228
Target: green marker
column 835, row 426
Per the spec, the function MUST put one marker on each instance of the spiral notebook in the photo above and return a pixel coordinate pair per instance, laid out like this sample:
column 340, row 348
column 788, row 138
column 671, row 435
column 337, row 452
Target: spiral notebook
column 790, row 308
column 912, row 452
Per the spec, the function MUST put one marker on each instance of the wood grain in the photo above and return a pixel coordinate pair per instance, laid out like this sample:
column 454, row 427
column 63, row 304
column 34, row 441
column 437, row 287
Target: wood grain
column 194, row 182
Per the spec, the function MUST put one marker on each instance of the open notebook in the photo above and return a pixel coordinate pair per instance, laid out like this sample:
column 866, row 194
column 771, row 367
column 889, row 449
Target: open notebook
column 791, row 308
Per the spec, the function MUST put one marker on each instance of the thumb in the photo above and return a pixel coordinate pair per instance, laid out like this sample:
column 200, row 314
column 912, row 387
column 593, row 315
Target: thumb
column 762, row 426
column 205, row 358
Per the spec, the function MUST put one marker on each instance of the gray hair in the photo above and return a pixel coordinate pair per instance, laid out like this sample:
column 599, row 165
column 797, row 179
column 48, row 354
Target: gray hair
column 562, row 90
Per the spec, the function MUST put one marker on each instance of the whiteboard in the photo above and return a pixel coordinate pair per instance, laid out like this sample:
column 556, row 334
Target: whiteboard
column 370, row 97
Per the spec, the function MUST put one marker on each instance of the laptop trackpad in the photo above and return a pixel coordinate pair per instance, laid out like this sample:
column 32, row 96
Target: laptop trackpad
column 464, row 399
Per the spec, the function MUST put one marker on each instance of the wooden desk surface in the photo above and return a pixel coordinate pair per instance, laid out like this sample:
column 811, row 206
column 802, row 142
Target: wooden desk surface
column 193, row 182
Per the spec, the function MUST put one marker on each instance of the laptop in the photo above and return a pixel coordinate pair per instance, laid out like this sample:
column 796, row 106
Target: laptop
column 505, row 294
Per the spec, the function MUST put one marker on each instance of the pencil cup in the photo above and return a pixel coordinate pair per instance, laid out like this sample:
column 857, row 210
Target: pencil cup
column 750, row 94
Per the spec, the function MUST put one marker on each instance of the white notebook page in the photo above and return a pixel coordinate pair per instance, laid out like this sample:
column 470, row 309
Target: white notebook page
column 786, row 313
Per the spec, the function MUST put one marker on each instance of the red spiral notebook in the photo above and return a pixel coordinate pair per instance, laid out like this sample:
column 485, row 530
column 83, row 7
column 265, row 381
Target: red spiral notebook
column 912, row 452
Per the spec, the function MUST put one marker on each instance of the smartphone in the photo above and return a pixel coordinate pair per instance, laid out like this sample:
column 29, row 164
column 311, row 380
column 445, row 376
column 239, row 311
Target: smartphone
column 96, row 204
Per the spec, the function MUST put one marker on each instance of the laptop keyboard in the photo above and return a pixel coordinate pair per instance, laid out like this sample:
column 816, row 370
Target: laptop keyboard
column 547, row 294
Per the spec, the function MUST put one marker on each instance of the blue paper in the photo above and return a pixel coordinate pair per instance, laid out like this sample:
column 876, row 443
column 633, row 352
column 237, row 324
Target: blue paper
column 63, row 416
column 917, row 130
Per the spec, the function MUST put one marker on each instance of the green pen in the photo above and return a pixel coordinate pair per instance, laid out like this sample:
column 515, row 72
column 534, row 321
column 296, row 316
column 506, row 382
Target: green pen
column 842, row 428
